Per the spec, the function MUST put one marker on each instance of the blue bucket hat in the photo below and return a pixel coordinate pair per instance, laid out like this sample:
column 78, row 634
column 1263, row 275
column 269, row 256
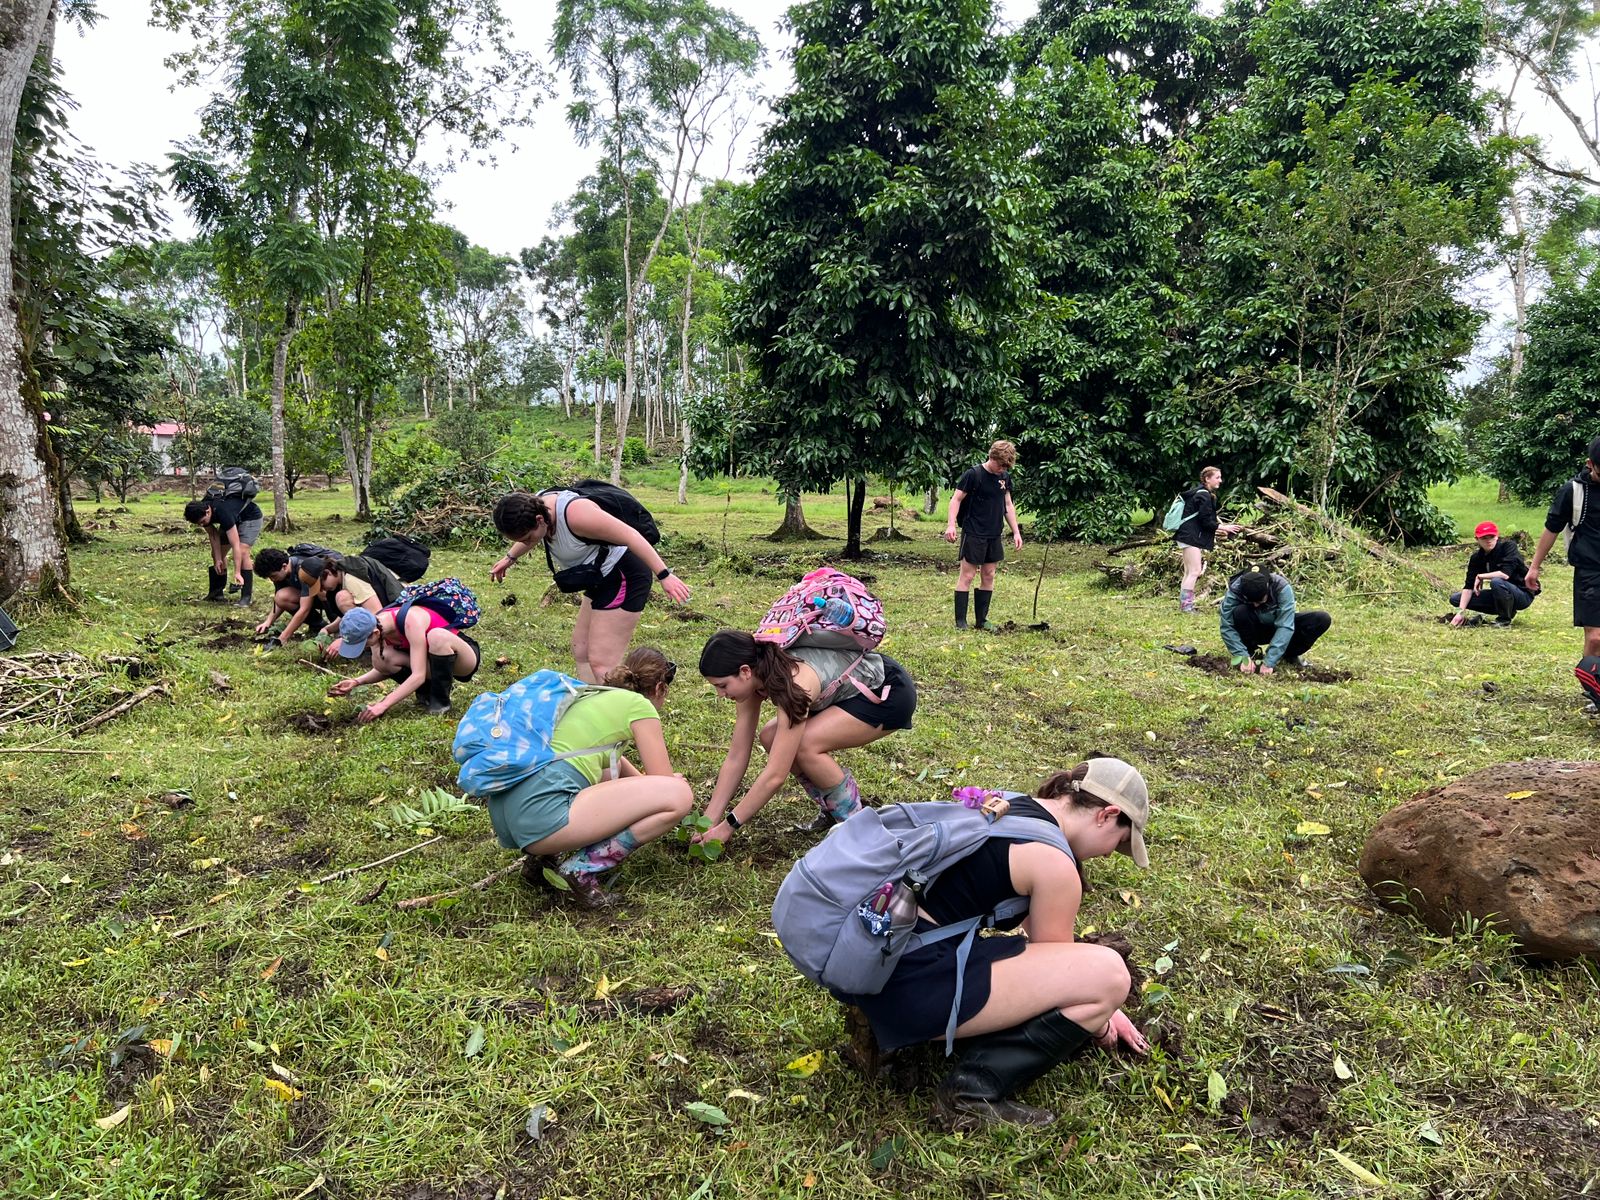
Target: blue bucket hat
column 355, row 627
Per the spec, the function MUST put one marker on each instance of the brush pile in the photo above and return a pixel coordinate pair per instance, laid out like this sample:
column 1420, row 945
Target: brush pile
column 1319, row 554
column 59, row 692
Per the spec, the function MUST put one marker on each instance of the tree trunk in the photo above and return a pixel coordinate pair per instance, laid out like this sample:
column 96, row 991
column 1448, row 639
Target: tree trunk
column 427, row 387
column 280, row 372
column 858, row 502
column 33, row 555
column 599, row 413
column 793, row 527
column 566, row 379
column 683, row 388
column 930, row 502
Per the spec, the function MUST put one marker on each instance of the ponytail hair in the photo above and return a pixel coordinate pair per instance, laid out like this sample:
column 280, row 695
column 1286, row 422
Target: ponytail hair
column 643, row 671
column 516, row 515
column 729, row 649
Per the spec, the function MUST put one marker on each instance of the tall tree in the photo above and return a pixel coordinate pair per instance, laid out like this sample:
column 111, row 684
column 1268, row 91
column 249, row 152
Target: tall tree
column 883, row 246
column 33, row 552
column 652, row 81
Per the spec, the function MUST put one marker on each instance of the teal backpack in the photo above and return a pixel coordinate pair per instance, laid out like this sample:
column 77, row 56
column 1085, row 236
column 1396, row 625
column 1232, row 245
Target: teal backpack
column 1176, row 518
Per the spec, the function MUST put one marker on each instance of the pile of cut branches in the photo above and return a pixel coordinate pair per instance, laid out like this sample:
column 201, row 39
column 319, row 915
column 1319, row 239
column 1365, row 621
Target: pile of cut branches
column 1318, row 554
column 56, row 692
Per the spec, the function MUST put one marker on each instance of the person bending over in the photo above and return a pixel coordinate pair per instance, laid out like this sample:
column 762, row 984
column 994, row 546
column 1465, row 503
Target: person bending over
column 412, row 644
column 232, row 527
column 297, row 592
column 1259, row 609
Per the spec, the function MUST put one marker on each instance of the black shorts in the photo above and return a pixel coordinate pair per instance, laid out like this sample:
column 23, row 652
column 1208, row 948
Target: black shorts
column 914, row 1006
column 894, row 712
column 445, row 611
column 980, row 551
column 626, row 589
column 1586, row 598
column 477, row 653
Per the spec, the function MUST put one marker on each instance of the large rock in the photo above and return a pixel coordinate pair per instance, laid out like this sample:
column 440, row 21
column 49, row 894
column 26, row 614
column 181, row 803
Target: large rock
column 1518, row 842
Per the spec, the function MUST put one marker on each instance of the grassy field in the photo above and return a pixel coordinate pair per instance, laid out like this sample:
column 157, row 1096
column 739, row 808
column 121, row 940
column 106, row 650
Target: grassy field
column 172, row 971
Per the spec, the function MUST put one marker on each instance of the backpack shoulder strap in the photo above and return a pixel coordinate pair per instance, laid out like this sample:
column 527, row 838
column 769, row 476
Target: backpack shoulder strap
column 1580, row 502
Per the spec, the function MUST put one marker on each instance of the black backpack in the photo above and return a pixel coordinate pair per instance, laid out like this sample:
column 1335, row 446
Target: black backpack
column 374, row 574
column 619, row 503
column 233, row 483
column 312, row 550
column 408, row 559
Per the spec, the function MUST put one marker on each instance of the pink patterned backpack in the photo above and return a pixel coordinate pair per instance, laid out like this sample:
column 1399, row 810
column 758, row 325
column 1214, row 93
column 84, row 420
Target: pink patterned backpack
column 828, row 609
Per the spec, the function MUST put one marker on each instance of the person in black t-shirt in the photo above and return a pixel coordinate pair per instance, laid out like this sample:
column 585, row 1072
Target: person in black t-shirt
column 232, row 527
column 982, row 506
column 1584, row 550
column 1198, row 533
column 1496, row 580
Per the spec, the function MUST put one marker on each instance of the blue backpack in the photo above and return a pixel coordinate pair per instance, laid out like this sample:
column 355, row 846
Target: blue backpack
column 829, row 914
column 450, row 598
column 505, row 736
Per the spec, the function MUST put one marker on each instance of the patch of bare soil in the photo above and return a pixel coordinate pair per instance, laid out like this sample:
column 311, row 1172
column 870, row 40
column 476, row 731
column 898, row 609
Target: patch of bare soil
column 1550, row 1151
column 1217, row 664
column 637, row 1002
column 134, row 1064
column 318, row 724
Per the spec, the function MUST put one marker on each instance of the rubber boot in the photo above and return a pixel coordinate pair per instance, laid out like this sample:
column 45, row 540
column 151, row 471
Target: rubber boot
column 247, row 592
column 980, row 607
column 1186, row 600
column 434, row 694
column 995, row 1066
column 217, row 580
column 1505, row 605
column 961, row 609
column 581, row 871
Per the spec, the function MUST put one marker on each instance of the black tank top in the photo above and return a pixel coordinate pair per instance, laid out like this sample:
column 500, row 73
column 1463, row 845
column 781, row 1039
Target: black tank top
column 972, row 886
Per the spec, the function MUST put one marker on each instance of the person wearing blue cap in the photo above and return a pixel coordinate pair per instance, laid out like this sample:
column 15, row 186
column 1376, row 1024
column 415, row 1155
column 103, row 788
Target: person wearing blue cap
column 412, row 644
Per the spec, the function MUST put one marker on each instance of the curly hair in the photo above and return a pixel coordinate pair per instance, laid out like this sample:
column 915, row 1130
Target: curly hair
column 729, row 649
column 643, row 671
column 516, row 515
column 195, row 511
column 270, row 561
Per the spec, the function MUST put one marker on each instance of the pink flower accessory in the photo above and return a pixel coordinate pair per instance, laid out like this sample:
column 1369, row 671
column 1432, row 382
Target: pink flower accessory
column 991, row 804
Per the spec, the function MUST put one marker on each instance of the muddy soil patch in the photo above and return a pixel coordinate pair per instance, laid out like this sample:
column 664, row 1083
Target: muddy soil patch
column 133, row 1066
column 1556, row 1150
column 636, row 1002
column 1216, row 664
column 316, row 724
column 235, row 637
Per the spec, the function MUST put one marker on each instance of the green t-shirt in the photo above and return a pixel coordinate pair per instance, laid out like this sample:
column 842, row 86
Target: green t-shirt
column 599, row 719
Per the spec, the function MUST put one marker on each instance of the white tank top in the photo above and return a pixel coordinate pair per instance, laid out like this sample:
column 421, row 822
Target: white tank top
column 567, row 549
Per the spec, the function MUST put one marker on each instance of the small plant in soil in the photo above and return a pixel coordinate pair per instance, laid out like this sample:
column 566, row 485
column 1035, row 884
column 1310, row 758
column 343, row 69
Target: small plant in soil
column 702, row 851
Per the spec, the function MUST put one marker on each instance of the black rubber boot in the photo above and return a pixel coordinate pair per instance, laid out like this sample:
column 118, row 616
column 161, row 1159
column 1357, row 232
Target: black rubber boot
column 980, row 608
column 248, row 591
column 434, row 695
column 961, row 609
column 996, row 1065
column 1505, row 604
column 217, row 580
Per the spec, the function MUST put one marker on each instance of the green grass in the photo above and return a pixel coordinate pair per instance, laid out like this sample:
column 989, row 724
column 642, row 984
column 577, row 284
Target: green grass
column 1476, row 499
column 195, row 923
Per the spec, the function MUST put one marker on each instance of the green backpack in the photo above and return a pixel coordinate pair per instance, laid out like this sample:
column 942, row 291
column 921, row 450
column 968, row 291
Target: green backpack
column 1176, row 518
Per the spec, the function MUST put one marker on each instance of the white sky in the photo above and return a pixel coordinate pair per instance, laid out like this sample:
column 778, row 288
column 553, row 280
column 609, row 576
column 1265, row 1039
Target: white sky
column 129, row 112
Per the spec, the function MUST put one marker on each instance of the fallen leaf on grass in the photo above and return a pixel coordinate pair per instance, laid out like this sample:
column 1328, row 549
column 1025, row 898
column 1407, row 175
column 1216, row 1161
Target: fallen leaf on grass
column 885, row 1153
column 1367, row 1177
column 1342, row 1068
column 162, row 1046
column 1518, row 795
column 1312, row 829
column 474, row 1045
column 116, row 1118
column 741, row 1094
column 205, row 864
column 605, row 987
column 810, row 1180
column 283, row 1073
column 709, row 1114
column 381, row 954
column 1427, row 1133
column 310, row 1187
column 807, row 1065
column 272, row 968
column 1216, row 1089
column 574, row 1051
column 539, row 1116
column 282, row 1090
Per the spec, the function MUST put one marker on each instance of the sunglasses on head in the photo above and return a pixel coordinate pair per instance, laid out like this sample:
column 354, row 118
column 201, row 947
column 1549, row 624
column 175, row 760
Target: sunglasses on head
column 672, row 671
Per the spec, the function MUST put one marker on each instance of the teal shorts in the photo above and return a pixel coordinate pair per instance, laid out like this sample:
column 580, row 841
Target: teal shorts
column 537, row 807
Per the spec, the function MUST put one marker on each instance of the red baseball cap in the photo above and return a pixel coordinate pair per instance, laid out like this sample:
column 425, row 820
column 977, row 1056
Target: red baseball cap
column 1486, row 529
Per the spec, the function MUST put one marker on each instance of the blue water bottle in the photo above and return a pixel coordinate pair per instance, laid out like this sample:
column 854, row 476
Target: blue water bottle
column 836, row 611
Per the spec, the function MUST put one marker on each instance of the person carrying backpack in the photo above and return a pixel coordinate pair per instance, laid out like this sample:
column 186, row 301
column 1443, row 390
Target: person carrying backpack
column 1576, row 510
column 421, row 642
column 600, row 541
column 232, row 525
column 827, row 699
column 351, row 582
column 1259, row 609
column 296, row 576
column 571, row 816
column 1197, row 532
column 885, row 912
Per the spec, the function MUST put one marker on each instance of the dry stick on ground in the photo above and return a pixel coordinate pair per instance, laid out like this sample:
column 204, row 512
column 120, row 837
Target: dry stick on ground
column 48, row 750
column 1340, row 530
column 120, row 707
column 423, row 901
column 316, row 666
column 388, row 858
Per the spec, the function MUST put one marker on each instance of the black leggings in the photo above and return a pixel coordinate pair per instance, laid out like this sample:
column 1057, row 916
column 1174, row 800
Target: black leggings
column 1256, row 631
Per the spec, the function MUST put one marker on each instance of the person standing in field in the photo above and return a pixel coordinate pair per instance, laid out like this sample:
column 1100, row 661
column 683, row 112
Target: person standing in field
column 982, row 506
column 1198, row 532
column 1576, row 508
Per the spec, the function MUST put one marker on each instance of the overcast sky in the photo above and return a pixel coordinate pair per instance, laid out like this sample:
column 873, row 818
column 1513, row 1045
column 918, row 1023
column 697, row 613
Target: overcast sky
column 129, row 112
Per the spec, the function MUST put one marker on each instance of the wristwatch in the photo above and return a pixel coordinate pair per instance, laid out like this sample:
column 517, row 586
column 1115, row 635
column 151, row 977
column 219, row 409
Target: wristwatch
column 733, row 820
column 663, row 573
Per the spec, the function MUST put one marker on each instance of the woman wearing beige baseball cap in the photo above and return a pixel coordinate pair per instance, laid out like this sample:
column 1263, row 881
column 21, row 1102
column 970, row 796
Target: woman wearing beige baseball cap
column 1023, row 1005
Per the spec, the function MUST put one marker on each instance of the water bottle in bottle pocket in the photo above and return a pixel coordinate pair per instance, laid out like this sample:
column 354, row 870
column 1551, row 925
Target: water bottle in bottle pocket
column 891, row 911
column 836, row 611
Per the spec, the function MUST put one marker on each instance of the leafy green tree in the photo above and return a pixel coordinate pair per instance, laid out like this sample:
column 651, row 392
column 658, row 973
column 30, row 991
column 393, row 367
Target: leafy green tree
column 481, row 313
column 1089, row 354
column 1552, row 420
column 883, row 245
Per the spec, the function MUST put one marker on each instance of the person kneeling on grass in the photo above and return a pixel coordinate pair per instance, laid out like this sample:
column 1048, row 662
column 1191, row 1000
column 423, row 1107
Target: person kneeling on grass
column 568, row 818
column 1259, row 609
column 297, row 591
column 1496, row 580
column 412, row 644
column 1010, row 1008
column 821, row 708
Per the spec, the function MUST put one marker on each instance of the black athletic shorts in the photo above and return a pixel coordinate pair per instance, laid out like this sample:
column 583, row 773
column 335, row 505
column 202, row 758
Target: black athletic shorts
column 982, row 550
column 895, row 711
column 1586, row 598
column 626, row 589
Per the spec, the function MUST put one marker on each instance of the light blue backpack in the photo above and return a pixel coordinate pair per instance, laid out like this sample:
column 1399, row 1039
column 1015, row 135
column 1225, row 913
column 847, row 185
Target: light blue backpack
column 505, row 736
column 830, row 911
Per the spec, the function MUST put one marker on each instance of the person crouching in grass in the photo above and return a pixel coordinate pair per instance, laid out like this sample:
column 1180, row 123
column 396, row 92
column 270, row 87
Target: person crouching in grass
column 414, row 645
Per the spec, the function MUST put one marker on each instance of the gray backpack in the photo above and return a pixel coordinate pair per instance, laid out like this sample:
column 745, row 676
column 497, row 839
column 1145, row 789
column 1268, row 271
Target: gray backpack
column 1580, row 507
column 829, row 914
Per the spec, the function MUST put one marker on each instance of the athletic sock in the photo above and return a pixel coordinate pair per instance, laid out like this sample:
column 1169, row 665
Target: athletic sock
column 961, row 609
column 981, row 608
column 602, row 855
column 843, row 798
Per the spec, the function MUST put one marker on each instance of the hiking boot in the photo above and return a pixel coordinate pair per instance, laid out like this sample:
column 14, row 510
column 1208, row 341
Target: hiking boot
column 1500, row 623
column 820, row 823
column 583, row 888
